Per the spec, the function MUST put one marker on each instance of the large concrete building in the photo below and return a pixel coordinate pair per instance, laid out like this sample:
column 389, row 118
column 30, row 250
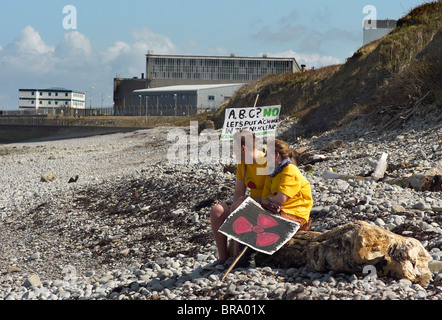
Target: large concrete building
column 167, row 70
column 376, row 29
column 172, row 70
column 181, row 100
column 51, row 99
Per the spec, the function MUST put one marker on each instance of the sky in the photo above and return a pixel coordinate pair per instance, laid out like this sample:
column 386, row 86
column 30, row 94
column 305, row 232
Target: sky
column 83, row 44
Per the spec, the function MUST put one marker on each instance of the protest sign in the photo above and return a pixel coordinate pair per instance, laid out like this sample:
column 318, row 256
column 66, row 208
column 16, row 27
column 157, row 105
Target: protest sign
column 257, row 228
column 263, row 121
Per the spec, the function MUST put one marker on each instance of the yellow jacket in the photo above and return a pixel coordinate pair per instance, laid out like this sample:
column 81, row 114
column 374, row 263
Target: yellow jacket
column 294, row 185
column 256, row 174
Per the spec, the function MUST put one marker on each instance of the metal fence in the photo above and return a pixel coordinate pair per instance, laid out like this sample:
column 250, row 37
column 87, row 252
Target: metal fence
column 98, row 121
column 156, row 110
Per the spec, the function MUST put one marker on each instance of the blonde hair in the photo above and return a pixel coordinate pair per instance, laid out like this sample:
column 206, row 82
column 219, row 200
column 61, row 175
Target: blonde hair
column 284, row 150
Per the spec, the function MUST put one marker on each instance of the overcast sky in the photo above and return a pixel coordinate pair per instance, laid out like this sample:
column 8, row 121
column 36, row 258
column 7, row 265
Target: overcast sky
column 41, row 46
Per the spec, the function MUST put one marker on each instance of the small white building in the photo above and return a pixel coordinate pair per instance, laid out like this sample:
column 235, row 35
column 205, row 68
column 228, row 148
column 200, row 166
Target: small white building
column 52, row 98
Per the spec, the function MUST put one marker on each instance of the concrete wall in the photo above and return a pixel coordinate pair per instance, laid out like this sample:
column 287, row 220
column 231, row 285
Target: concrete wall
column 28, row 133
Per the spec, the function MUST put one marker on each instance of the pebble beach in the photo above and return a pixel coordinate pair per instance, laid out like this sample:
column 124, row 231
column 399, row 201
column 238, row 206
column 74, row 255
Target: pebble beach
column 115, row 220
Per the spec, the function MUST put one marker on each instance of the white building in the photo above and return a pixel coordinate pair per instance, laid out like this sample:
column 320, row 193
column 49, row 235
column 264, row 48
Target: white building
column 52, row 98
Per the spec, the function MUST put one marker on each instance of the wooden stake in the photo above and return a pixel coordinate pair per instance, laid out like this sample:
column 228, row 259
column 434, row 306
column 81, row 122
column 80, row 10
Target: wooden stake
column 234, row 263
column 256, row 101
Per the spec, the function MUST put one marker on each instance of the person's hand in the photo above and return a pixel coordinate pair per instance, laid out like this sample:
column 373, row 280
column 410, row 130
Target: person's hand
column 276, row 206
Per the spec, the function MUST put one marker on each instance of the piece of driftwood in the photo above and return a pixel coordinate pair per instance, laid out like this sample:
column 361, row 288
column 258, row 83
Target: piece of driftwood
column 419, row 182
column 352, row 247
column 380, row 168
column 403, row 116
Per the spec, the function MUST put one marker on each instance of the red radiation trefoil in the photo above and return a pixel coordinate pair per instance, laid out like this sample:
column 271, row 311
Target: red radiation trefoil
column 264, row 239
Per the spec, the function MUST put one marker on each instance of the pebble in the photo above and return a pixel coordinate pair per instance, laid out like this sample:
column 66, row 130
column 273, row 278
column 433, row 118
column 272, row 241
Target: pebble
column 109, row 235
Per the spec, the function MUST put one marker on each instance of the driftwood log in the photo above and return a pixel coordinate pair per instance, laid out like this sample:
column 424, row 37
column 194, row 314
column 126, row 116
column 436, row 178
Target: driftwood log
column 418, row 182
column 350, row 248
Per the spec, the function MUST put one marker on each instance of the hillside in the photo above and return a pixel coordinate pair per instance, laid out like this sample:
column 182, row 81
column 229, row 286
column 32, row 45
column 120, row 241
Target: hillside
column 385, row 82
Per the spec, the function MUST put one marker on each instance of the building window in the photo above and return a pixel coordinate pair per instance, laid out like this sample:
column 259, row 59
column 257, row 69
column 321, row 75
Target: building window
column 211, row 98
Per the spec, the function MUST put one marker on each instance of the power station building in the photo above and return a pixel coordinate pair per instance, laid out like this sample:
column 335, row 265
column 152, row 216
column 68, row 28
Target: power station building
column 167, row 70
column 376, row 29
column 51, row 99
column 182, row 70
column 181, row 100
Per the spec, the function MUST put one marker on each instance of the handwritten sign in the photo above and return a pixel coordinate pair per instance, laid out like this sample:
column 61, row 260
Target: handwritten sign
column 257, row 228
column 263, row 121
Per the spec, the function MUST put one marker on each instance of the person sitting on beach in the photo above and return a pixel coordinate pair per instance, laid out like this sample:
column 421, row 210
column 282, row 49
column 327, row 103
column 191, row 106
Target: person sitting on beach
column 251, row 173
column 286, row 190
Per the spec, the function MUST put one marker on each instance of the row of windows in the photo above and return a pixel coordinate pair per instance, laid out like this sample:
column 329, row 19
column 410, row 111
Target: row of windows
column 220, row 70
column 164, row 68
column 56, row 94
column 181, row 62
column 50, row 94
column 56, row 102
column 205, row 76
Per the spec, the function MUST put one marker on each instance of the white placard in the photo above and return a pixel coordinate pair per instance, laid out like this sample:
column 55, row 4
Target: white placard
column 263, row 121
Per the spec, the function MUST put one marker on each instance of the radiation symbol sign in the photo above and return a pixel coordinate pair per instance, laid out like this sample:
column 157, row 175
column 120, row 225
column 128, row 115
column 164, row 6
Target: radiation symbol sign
column 257, row 228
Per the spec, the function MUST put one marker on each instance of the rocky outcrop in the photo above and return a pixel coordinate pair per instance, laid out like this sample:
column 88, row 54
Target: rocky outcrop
column 352, row 247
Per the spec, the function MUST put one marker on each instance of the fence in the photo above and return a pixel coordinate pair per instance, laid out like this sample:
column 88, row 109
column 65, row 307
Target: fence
column 156, row 110
column 100, row 121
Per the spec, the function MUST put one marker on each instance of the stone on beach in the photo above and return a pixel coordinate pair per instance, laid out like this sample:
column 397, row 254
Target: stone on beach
column 48, row 177
column 32, row 281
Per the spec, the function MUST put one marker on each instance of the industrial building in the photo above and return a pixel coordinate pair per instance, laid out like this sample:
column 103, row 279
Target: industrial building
column 180, row 100
column 167, row 70
column 123, row 88
column 376, row 29
column 51, row 99
column 172, row 70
